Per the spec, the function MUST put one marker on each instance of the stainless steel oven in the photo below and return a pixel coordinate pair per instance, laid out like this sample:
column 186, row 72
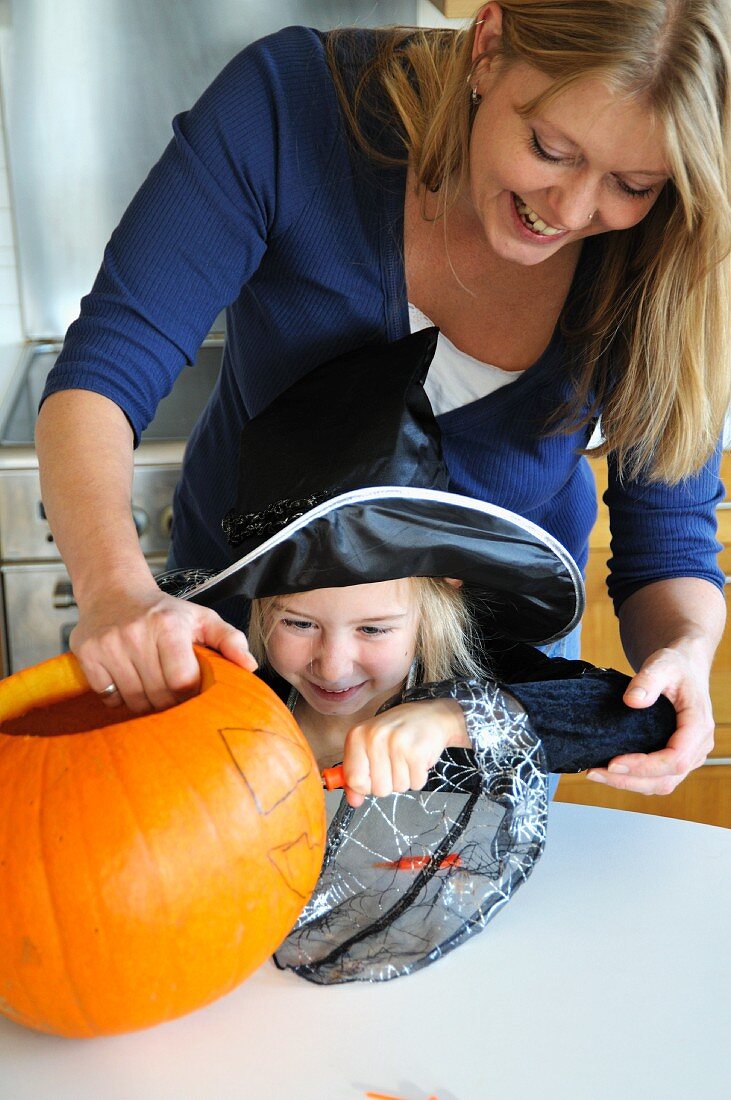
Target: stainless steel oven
column 37, row 606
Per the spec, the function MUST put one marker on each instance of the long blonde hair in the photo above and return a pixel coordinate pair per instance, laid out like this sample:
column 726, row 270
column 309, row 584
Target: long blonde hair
column 446, row 641
column 651, row 335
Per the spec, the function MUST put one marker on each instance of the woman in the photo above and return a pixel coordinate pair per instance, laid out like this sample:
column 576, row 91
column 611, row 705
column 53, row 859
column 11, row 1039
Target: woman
column 370, row 580
column 550, row 189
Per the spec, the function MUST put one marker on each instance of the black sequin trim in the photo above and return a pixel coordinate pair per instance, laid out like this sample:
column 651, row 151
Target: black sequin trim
column 239, row 526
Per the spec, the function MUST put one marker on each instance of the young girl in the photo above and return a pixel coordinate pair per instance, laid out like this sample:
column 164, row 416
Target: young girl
column 344, row 652
column 359, row 563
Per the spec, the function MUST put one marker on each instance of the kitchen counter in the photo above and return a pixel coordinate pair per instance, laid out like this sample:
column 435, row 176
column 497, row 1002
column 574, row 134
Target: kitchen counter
column 609, row 974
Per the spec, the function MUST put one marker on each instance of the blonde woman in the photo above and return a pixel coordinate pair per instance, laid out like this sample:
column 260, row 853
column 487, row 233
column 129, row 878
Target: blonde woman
column 548, row 187
column 386, row 610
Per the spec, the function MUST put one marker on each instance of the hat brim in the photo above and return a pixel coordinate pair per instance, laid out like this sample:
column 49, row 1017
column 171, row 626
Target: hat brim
column 528, row 579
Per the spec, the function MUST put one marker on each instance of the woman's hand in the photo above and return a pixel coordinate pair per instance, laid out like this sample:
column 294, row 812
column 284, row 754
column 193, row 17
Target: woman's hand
column 671, row 672
column 395, row 750
column 670, row 631
column 130, row 634
column 142, row 642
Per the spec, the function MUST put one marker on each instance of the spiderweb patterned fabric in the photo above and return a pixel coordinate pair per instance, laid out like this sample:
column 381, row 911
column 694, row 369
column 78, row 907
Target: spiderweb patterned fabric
column 409, row 877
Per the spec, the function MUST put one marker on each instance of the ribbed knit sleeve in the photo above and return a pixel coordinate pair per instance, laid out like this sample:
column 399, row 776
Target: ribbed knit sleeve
column 239, row 170
column 660, row 531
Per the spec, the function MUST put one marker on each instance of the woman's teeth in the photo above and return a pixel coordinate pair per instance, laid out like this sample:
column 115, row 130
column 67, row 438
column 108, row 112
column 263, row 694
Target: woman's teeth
column 530, row 219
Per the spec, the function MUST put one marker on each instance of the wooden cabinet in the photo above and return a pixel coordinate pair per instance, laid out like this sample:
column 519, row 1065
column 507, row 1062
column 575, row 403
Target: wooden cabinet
column 457, row 9
column 706, row 794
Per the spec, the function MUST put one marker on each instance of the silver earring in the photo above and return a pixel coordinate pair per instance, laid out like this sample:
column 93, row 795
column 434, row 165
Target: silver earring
column 475, row 97
column 591, row 216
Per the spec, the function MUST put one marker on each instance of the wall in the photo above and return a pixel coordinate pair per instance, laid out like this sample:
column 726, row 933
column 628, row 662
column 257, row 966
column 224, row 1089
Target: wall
column 9, row 304
column 11, row 329
column 429, row 16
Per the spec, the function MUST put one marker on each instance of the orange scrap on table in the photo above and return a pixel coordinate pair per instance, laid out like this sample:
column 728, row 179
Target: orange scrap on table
column 388, row 1096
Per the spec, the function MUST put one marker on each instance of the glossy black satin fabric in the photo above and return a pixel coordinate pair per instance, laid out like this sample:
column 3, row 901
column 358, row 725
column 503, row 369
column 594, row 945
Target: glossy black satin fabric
column 361, row 419
column 532, row 593
column 355, row 425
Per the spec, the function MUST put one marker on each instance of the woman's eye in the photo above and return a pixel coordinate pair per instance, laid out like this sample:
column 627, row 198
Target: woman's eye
column 541, row 152
column 636, row 193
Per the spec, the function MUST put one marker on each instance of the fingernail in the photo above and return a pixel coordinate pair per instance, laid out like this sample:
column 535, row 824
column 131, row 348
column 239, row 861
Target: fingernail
column 595, row 777
column 618, row 769
column 637, row 692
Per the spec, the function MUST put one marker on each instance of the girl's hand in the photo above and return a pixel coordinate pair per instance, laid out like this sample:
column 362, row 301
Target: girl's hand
column 672, row 672
column 142, row 642
column 395, row 750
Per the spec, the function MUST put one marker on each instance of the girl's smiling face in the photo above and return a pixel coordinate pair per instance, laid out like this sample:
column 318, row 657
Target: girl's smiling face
column 346, row 650
column 590, row 161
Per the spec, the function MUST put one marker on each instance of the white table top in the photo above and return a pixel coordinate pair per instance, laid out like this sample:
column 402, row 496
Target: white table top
column 608, row 975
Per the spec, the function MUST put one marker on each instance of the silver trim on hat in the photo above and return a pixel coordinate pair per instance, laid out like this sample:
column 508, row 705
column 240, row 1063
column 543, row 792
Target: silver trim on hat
column 400, row 492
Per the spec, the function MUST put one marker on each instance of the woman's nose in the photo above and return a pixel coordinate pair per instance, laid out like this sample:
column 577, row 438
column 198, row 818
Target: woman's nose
column 573, row 205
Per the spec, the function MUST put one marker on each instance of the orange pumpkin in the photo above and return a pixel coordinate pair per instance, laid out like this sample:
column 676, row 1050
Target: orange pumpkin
column 148, row 864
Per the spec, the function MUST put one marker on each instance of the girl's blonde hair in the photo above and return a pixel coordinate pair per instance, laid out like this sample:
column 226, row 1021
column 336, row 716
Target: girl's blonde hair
column 445, row 642
column 652, row 330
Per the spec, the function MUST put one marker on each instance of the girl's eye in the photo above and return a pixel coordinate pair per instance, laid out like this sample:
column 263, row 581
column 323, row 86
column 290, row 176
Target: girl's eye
column 297, row 624
column 541, row 152
column 375, row 631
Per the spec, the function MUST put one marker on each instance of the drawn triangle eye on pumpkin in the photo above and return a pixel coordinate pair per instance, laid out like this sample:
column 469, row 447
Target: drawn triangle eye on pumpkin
column 271, row 771
column 292, row 861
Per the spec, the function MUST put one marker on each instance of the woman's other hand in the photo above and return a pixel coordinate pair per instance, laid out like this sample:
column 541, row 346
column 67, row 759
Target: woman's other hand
column 394, row 751
column 690, row 613
column 142, row 642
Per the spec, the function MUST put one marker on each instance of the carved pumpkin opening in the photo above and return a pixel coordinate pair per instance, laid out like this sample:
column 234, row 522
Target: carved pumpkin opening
column 69, row 706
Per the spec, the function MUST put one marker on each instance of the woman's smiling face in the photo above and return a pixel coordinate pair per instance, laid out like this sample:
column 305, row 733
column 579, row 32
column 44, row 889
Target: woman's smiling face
column 590, row 161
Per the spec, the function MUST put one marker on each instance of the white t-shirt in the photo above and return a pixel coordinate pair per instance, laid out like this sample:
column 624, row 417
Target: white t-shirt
column 455, row 378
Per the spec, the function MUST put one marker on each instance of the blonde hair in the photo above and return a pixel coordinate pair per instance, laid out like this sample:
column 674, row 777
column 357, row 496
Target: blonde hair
column 446, row 639
column 651, row 334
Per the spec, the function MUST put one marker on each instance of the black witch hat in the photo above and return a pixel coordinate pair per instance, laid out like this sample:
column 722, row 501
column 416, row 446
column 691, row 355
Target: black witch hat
column 342, row 481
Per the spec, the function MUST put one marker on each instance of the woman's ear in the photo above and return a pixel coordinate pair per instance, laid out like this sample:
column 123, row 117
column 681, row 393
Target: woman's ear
column 454, row 582
column 488, row 30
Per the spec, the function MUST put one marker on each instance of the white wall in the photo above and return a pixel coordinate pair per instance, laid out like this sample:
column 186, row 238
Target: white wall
column 10, row 326
column 429, row 16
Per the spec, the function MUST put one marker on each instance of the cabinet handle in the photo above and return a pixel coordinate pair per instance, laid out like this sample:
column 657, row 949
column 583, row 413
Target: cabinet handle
column 724, row 506
column 63, row 595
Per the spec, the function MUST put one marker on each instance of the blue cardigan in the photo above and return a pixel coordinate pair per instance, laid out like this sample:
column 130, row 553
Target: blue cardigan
column 259, row 204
